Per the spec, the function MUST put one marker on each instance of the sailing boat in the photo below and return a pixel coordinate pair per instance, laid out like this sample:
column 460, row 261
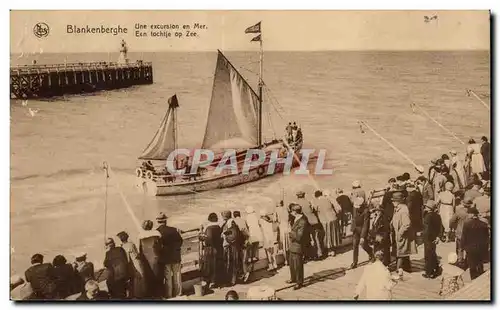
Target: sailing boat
column 234, row 122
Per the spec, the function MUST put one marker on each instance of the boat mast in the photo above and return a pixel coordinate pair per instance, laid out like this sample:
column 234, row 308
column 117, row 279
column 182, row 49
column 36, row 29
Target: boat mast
column 261, row 83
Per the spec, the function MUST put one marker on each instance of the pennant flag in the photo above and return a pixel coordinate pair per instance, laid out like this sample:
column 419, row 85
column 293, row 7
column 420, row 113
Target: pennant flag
column 257, row 38
column 172, row 101
column 253, row 29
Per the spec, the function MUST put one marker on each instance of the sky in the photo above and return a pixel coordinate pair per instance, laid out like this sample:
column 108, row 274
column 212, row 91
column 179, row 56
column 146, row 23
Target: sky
column 281, row 30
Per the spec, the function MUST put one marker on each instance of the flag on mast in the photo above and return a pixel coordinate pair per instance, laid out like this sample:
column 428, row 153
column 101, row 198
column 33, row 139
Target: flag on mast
column 253, row 29
column 257, row 38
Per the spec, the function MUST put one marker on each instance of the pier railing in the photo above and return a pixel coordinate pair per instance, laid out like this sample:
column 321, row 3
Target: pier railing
column 76, row 66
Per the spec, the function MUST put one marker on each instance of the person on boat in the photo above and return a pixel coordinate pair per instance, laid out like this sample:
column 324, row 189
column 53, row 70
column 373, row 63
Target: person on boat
column 211, row 261
column 457, row 166
column 431, row 233
column 255, row 235
column 359, row 227
column 405, row 237
column 376, row 281
column 288, row 131
column 457, row 222
column 294, row 126
column 170, row 257
column 93, row 292
column 20, row 289
column 298, row 240
column 425, row 189
column 298, row 136
column 379, row 234
column 244, row 245
column 41, row 277
column 283, row 218
column 316, row 230
column 150, row 251
column 446, row 203
column 230, row 234
column 137, row 284
column 357, row 191
column 269, row 239
column 415, row 204
column 475, row 158
column 485, row 152
column 346, row 205
column 65, row 277
column 116, row 264
column 84, row 270
column 327, row 216
column 475, row 241
column 451, row 280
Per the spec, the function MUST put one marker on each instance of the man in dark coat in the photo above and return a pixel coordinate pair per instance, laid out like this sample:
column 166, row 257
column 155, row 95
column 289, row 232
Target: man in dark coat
column 83, row 269
column 425, row 189
column 485, row 151
column 170, row 257
column 298, row 240
column 379, row 234
column 315, row 228
column 116, row 263
column 475, row 241
column 41, row 277
column 431, row 233
column 359, row 228
column 415, row 204
column 346, row 205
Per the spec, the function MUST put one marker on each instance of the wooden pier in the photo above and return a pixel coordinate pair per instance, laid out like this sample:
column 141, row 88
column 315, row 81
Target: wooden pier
column 43, row 81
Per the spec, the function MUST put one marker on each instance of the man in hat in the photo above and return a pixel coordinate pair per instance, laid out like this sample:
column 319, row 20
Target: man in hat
column 84, row 269
column 357, row 191
column 379, row 234
column 288, row 130
column 431, row 233
column 359, row 228
column 41, row 277
column 405, row 237
column 475, row 241
column 483, row 205
column 346, row 205
column 415, row 204
column 316, row 251
column 485, row 151
column 425, row 189
column 457, row 223
column 116, row 263
column 170, row 256
column 388, row 208
column 298, row 240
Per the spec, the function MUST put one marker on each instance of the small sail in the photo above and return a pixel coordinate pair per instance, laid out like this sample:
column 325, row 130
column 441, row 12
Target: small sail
column 232, row 117
column 163, row 142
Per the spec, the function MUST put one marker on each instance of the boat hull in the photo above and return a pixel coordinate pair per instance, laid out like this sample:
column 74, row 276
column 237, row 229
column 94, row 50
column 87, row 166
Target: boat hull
column 155, row 188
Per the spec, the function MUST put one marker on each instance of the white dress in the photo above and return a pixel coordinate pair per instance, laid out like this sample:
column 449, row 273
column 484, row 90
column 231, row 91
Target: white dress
column 376, row 282
column 446, row 200
column 477, row 161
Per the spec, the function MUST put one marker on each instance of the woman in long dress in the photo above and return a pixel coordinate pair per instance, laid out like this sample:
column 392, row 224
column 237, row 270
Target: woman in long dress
column 137, row 288
column 149, row 249
column 476, row 161
column 446, row 203
column 283, row 220
column 231, row 251
column 458, row 170
column 211, row 261
column 269, row 239
column 328, row 216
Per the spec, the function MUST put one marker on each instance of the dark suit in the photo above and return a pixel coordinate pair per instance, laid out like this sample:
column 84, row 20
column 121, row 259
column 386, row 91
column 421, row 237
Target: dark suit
column 415, row 204
column 170, row 258
column 432, row 230
column 380, row 228
column 299, row 237
column 475, row 241
column 116, row 263
column 485, row 151
column 42, row 280
column 359, row 228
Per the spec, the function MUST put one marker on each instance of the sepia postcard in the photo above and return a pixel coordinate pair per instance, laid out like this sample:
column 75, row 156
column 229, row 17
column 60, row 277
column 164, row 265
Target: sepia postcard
column 250, row 155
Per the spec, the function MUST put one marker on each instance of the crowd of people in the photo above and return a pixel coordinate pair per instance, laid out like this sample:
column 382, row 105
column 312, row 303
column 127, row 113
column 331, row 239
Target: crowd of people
column 451, row 203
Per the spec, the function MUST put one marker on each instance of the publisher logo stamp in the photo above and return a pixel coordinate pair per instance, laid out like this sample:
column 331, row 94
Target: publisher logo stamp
column 41, row 30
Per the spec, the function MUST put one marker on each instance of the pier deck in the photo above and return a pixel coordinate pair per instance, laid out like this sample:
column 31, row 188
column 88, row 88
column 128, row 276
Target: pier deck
column 330, row 280
column 42, row 81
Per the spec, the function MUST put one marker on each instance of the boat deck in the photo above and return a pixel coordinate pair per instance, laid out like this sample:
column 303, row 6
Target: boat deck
column 330, row 280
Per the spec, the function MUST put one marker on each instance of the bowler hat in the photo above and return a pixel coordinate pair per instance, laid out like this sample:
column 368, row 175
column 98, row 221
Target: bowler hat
column 161, row 217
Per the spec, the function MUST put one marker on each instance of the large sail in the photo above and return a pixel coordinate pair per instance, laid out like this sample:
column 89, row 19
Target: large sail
column 233, row 114
column 163, row 142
